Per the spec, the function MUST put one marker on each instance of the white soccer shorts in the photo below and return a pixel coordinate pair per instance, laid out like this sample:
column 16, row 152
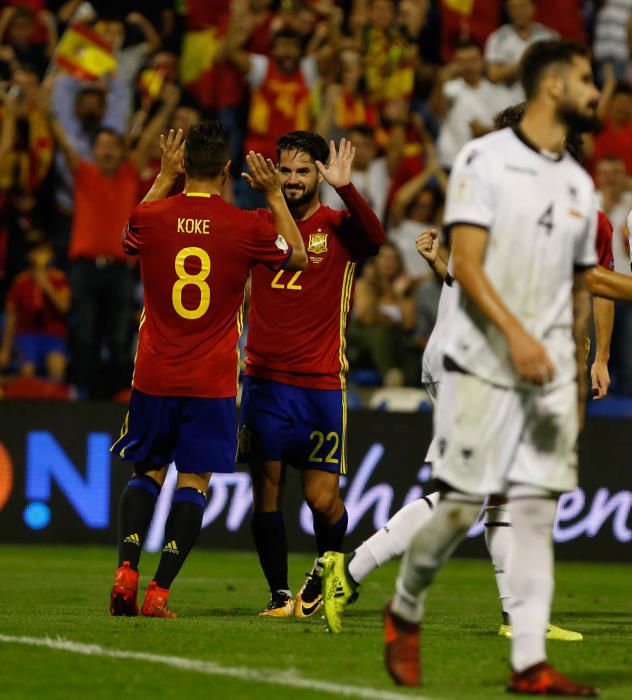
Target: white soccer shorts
column 488, row 437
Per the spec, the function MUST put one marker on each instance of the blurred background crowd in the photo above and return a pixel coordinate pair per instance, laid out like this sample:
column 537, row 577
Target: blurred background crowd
column 86, row 89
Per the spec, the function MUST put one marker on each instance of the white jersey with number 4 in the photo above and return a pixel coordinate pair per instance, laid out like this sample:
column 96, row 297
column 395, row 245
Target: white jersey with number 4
column 540, row 213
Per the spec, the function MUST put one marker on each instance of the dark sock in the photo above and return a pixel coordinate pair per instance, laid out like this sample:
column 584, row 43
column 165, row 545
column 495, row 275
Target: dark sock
column 268, row 531
column 181, row 531
column 329, row 537
column 136, row 510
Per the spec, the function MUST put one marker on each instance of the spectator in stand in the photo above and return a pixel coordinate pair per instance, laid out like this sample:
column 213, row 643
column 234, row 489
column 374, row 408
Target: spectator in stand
column 345, row 103
column 454, row 26
column 18, row 30
column 36, row 309
column 614, row 198
column 106, row 191
column 389, row 58
column 611, row 42
column 505, row 46
column 26, row 156
column 419, row 23
column 369, row 173
column 615, row 136
column 280, row 89
column 464, row 102
column 380, row 332
column 417, row 206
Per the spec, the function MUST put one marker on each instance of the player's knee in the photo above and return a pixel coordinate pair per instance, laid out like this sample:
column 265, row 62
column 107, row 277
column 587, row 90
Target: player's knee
column 194, row 481
column 323, row 502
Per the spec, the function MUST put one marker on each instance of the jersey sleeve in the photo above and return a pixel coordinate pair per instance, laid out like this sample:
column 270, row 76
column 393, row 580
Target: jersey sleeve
column 604, row 242
column 266, row 245
column 470, row 191
column 586, row 243
column 133, row 231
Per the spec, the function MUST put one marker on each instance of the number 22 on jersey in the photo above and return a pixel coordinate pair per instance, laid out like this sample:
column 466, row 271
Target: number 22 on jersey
column 197, row 280
column 292, row 284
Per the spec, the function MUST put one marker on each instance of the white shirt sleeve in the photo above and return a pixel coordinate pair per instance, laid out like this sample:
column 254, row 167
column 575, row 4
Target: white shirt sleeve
column 586, row 243
column 492, row 48
column 470, row 197
column 309, row 69
column 258, row 69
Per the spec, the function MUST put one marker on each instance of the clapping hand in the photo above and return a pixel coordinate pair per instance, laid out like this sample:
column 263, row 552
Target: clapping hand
column 337, row 172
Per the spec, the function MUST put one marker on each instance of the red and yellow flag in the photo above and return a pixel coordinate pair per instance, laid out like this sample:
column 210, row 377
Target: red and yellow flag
column 463, row 7
column 84, row 54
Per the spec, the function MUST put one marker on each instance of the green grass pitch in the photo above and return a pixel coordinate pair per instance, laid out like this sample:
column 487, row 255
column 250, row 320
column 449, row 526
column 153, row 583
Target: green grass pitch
column 62, row 592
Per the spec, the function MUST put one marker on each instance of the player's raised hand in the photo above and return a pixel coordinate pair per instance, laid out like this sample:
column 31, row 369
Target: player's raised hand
column 530, row 358
column 172, row 154
column 337, row 172
column 263, row 176
column 427, row 244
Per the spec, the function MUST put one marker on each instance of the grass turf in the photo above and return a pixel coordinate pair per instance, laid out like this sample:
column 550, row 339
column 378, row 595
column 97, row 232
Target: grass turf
column 63, row 592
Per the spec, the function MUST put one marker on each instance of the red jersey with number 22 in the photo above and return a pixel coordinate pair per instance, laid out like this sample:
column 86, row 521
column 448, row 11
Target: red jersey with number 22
column 196, row 252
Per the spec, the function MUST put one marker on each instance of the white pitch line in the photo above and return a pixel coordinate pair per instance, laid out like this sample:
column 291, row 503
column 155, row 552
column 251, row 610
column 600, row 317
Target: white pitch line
column 284, row 678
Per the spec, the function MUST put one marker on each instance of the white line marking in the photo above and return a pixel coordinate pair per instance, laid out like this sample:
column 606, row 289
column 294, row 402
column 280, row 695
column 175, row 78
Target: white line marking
column 284, row 678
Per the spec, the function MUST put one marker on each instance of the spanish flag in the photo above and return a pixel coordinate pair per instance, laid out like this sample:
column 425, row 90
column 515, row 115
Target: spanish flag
column 150, row 82
column 462, row 7
column 84, row 54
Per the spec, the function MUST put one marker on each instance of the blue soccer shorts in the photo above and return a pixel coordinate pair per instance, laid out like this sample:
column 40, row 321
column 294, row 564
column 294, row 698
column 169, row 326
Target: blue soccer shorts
column 198, row 434
column 305, row 428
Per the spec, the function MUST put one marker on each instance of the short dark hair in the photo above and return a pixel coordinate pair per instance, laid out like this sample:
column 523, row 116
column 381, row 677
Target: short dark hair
column 541, row 55
column 90, row 90
column 466, row 44
column 314, row 145
column 287, row 33
column 622, row 88
column 365, row 130
column 110, row 132
column 510, row 118
column 206, row 150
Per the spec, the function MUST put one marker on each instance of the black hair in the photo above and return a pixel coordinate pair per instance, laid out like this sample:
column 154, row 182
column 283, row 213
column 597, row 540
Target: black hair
column 206, row 150
column 466, row 44
column 622, row 88
column 90, row 90
column 364, row 129
column 111, row 132
column 314, row 145
column 543, row 54
column 511, row 116
column 287, row 33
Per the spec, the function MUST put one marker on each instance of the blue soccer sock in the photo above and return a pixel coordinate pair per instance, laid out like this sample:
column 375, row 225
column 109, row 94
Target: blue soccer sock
column 136, row 509
column 329, row 538
column 268, row 531
column 181, row 531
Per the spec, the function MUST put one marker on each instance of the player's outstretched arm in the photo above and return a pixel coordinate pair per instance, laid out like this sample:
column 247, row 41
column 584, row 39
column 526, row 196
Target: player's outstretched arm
column 603, row 313
column 609, row 284
column 527, row 354
column 265, row 178
column 171, row 165
column 427, row 244
column 581, row 330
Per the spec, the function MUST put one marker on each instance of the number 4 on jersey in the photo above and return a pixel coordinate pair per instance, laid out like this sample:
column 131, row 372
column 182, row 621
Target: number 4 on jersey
column 546, row 220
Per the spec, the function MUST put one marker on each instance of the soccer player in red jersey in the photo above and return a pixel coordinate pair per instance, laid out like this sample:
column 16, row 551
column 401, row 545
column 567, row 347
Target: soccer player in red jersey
column 293, row 408
column 196, row 252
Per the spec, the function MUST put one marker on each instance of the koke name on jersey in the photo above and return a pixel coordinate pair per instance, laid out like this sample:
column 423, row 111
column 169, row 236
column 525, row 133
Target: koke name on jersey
column 201, row 226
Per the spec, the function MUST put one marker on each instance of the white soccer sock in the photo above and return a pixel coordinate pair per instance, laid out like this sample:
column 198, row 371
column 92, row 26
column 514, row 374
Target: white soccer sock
column 390, row 541
column 530, row 578
column 431, row 546
column 499, row 541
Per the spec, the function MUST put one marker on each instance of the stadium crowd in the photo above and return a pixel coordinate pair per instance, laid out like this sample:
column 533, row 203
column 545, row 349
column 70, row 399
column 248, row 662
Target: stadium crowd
column 87, row 88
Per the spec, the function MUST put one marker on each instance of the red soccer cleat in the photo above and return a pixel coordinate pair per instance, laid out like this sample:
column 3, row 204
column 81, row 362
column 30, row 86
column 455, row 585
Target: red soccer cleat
column 155, row 603
column 401, row 649
column 543, row 679
column 123, row 593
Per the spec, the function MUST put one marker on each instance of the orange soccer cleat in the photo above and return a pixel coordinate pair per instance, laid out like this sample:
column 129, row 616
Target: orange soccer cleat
column 543, row 679
column 401, row 649
column 124, row 591
column 155, row 603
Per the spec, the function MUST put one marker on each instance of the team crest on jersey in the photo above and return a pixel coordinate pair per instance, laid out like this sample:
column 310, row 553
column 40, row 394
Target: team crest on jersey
column 317, row 242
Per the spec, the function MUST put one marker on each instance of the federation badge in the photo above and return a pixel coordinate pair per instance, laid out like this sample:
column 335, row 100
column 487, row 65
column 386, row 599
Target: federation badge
column 317, row 242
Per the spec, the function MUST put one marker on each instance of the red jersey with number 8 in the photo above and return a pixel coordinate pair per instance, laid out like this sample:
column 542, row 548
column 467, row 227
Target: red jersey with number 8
column 196, row 252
